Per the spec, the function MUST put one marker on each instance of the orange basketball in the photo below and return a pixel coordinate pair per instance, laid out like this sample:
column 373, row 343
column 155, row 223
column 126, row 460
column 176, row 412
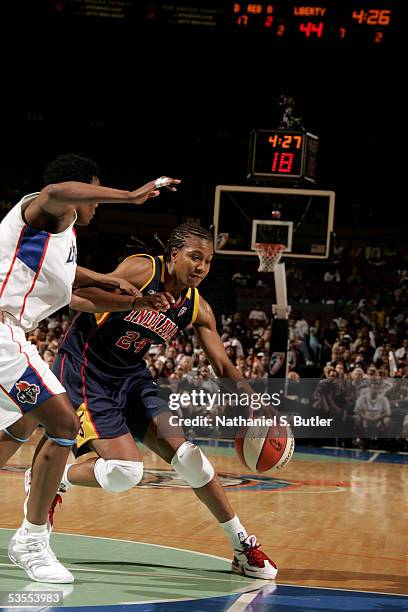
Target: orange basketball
column 265, row 448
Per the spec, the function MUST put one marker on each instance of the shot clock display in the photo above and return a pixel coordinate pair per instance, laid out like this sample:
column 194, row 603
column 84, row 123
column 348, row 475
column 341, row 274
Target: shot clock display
column 283, row 154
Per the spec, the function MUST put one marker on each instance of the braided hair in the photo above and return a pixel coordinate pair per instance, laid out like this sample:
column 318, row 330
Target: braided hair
column 71, row 168
column 180, row 234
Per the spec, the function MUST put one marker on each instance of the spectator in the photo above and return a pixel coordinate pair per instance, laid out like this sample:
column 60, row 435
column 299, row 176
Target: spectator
column 166, row 369
column 49, row 357
column 354, row 278
column 372, row 413
column 257, row 317
column 402, row 352
column 332, row 275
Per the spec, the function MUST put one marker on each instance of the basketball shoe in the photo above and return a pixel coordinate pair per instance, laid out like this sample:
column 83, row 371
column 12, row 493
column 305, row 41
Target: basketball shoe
column 250, row 561
column 33, row 554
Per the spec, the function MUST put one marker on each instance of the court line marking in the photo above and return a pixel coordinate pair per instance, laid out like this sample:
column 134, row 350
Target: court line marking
column 81, row 535
column 373, row 457
column 300, row 586
column 240, row 604
column 150, row 601
column 255, row 585
column 223, row 559
column 194, row 552
column 150, row 574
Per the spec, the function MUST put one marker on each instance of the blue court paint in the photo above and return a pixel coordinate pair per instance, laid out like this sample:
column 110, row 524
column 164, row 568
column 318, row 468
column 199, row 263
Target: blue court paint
column 284, row 599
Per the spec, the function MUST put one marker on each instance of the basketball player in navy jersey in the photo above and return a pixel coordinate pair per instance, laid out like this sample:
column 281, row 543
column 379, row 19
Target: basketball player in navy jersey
column 101, row 362
column 37, row 272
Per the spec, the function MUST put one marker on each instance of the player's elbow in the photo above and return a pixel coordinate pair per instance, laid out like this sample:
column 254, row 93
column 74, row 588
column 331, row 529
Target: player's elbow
column 75, row 302
column 83, row 305
column 53, row 191
column 60, row 192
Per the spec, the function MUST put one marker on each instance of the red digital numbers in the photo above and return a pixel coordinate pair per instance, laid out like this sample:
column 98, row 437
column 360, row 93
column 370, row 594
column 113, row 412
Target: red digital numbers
column 282, row 163
column 310, row 28
column 242, row 20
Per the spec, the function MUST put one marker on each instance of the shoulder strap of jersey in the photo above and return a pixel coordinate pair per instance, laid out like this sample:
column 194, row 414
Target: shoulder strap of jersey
column 196, row 305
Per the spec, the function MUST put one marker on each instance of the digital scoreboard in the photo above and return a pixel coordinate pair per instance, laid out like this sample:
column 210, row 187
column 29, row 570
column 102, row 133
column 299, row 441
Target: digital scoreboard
column 325, row 20
column 317, row 20
column 284, row 154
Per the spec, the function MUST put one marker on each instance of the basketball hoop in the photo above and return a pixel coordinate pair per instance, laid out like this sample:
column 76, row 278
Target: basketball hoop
column 269, row 255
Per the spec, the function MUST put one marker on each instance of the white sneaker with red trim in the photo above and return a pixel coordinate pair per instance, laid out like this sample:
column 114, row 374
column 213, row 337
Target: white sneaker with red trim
column 250, row 561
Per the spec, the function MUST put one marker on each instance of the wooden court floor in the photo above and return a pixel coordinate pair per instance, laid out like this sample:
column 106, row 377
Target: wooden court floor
column 326, row 521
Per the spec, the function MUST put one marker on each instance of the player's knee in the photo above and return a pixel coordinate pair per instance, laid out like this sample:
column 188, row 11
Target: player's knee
column 117, row 476
column 72, row 424
column 65, row 425
column 192, row 465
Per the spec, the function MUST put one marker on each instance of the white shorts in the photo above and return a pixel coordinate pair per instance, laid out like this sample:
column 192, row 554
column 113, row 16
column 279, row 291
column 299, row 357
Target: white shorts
column 26, row 381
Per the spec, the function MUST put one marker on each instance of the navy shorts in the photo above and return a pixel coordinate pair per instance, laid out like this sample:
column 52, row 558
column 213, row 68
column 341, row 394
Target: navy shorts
column 108, row 406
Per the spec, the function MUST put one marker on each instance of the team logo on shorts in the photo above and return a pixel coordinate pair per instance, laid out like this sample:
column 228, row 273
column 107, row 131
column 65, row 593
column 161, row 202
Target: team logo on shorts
column 27, row 393
column 182, row 311
column 277, row 360
column 81, row 416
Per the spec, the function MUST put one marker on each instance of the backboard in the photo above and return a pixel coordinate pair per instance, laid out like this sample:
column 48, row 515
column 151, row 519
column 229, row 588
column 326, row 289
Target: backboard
column 302, row 219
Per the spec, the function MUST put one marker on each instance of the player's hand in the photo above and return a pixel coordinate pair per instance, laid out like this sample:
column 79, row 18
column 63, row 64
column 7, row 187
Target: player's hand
column 157, row 301
column 152, row 189
column 115, row 284
column 125, row 288
column 253, row 406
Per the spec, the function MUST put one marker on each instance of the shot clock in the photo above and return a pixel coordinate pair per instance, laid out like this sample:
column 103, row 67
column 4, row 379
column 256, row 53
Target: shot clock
column 283, row 154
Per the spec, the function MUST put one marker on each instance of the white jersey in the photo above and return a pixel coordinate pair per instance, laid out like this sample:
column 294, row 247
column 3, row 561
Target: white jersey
column 37, row 269
column 377, row 407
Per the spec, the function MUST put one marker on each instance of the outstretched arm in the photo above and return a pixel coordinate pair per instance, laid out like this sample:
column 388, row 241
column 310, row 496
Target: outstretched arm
column 210, row 340
column 108, row 282
column 135, row 271
column 57, row 201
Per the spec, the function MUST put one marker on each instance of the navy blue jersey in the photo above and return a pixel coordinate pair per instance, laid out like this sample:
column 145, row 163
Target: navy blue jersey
column 113, row 343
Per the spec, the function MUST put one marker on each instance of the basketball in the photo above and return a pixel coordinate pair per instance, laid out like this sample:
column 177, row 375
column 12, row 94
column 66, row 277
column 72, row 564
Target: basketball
column 275, row 214
column 264, row 448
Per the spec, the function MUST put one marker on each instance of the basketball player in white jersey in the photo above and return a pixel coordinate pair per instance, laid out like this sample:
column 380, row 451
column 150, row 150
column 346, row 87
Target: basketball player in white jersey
column 37, row 273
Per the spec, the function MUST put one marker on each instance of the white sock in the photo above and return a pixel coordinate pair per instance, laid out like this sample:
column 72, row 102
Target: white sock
column 64, row 478
column 27, row 528
column 235, row 532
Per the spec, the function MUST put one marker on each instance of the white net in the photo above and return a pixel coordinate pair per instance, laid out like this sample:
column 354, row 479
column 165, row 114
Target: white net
column 269, row 255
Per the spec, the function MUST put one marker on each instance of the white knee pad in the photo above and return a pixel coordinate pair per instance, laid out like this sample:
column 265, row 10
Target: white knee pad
column 116, row 476
column 192, row 465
